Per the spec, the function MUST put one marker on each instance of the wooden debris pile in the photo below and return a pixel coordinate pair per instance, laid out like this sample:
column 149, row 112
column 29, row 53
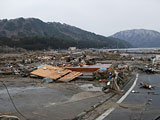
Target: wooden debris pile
column 56, row 73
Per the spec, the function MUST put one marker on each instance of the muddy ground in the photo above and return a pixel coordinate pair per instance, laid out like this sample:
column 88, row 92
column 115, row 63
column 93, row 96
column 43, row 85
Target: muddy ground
column 36, row 100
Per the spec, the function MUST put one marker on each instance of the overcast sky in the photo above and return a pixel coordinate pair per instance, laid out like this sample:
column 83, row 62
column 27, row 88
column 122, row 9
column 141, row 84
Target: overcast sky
column 104, row 17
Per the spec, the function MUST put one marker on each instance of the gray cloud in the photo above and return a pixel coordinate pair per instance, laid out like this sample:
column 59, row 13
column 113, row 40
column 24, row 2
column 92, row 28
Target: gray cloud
column 100, row 16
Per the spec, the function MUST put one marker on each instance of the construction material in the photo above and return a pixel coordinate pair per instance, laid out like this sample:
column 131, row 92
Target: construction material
column 55, row 73
column 70, row 76
column 90, row 68
column 6, row 113
column 82, row 69
column 50, row 72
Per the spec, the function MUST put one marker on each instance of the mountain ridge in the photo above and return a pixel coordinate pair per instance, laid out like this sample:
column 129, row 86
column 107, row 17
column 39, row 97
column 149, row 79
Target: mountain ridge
column 22, row 32
column 140, row 37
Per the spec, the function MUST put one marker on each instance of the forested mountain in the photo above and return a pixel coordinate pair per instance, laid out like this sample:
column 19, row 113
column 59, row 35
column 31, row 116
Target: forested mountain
column 35, row 34
column 140, row 37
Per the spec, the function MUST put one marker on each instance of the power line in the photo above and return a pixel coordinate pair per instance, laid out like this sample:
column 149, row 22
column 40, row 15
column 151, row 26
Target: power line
column 14, row 105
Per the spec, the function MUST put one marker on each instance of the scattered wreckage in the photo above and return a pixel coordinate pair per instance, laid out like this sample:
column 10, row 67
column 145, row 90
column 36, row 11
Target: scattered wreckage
column 112, row 79
column 146, row 86
column 148, row 70
column 65, row 67
column 56, row 73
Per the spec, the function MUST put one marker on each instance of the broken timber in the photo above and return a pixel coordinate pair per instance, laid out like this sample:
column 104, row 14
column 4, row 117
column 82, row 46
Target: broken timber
column 56, row 73
column 70, row 76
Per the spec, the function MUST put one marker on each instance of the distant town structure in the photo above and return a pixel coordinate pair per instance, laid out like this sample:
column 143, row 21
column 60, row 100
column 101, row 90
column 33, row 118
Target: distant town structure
column 157, row 58
column 72, row 48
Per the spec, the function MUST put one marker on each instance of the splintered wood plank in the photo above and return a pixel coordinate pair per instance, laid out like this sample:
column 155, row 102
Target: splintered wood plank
column 50, row 72
column 70, row 76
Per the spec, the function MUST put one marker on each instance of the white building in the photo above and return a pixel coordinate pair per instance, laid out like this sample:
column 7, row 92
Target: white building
column 157, row 57
column 72, row 48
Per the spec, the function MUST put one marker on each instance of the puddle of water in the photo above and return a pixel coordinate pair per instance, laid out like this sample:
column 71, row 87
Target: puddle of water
column 90, row 87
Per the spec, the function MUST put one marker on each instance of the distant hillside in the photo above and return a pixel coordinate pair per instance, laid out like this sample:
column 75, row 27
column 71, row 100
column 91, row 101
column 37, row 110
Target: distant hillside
column 140, row 37
column 35, row 34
